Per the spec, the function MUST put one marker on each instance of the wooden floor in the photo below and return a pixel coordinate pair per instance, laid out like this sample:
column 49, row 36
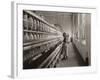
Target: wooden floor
column 73, row 58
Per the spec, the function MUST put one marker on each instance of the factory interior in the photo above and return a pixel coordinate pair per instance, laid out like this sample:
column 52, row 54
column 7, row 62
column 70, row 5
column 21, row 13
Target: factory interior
column 43, row 39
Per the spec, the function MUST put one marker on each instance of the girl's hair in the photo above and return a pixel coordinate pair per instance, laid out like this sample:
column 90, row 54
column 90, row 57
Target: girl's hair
column 65, row 35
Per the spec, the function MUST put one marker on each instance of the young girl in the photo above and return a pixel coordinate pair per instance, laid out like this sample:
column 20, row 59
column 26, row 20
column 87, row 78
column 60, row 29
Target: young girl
column 65, row 45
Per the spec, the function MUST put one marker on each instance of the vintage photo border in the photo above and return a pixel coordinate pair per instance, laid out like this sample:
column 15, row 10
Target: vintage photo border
column 16, row 62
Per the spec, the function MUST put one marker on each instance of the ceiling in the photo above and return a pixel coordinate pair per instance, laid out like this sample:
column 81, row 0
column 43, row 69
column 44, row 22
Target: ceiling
column 61, row 19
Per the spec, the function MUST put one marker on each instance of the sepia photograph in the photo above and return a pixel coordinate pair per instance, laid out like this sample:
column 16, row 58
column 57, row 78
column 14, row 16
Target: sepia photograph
column 53, row 39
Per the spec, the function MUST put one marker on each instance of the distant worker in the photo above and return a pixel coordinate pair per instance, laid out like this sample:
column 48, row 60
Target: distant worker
column 65, row 45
